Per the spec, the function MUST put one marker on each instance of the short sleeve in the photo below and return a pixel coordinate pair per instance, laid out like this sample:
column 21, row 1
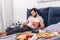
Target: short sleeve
column 41, row 19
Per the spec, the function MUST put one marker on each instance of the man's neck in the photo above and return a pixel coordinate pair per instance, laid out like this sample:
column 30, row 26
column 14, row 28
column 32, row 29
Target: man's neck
column 35, row 16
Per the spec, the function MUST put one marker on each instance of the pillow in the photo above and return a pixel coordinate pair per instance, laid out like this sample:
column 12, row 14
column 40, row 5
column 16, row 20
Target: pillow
column 54, row 15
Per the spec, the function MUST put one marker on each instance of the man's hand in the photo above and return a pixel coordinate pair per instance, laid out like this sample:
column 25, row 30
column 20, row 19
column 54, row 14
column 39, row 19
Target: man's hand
column 41, row 27
column 21, row 26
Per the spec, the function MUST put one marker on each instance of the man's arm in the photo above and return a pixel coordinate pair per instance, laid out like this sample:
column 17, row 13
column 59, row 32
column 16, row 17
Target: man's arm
column 25, row 23
column 42, row 25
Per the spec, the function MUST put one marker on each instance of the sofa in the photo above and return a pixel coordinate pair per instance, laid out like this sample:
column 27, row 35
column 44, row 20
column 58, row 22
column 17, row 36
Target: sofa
column 51, row 15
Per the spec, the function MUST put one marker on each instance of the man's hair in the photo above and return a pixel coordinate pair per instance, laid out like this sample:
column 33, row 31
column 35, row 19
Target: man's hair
column 35, row 10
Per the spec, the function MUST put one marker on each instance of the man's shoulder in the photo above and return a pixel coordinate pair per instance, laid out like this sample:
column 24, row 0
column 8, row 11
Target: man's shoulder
column 30, row 16
column 39, row 16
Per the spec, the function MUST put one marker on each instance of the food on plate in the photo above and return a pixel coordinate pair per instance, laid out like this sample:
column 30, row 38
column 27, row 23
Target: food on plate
column 21, row 37
column 51, row 34
column 24, row 36
column 29, row 35
column 45, row 35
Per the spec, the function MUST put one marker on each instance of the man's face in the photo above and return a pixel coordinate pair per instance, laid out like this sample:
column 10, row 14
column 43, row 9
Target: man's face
column 33, row 13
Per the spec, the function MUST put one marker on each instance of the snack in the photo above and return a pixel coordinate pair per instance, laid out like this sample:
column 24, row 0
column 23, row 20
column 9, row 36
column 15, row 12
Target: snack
column 45, row 35
column 51, row 34
column 24, row 36
column 21, row 37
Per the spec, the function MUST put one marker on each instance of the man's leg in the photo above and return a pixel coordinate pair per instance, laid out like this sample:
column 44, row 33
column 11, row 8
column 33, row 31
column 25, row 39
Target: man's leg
column 9, row 29
column 15, row 30
column 18, row 29
column 27, row 28
column 12, row 31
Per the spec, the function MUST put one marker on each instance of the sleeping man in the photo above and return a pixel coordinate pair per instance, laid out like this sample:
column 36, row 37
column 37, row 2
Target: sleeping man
column 33, row 22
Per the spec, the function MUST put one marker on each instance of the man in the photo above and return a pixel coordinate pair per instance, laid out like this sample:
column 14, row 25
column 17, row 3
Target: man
column 33, row 22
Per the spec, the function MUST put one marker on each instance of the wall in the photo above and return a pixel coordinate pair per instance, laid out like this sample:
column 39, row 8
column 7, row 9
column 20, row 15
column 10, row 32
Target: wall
column 7, row 13
column 0, row 7
column 20, row 7
column 1, row 21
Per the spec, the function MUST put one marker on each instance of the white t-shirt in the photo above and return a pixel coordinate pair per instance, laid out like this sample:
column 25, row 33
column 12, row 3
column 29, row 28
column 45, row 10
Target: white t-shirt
column 34, row 21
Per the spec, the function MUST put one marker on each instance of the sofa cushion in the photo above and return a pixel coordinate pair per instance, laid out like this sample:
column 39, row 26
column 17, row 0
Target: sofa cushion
column 44, row 14
column 53, row 15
